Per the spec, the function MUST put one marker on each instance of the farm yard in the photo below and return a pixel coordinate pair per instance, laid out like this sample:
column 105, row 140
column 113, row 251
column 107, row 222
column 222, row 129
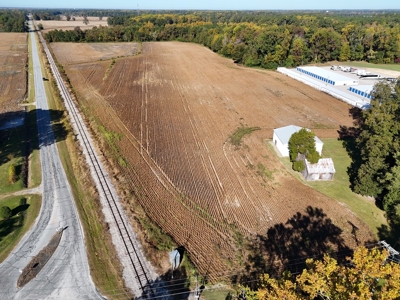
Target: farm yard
column 170, row 112
column 13, row 80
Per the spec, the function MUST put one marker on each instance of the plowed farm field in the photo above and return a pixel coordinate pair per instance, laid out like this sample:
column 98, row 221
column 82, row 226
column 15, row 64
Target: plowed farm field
column 175, row 106
column 13, row 61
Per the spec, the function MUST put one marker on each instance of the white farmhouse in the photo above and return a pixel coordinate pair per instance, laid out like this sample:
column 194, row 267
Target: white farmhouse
column 281, row 139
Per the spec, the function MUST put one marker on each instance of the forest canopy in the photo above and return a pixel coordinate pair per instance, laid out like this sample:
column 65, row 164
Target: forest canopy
column 13, row 21
column 264, row 39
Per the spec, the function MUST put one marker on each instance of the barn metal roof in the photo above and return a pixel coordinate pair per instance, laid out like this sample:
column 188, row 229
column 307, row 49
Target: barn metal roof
column 331, row 75
column 364, row 88
column 324, row 165
column 284, row 134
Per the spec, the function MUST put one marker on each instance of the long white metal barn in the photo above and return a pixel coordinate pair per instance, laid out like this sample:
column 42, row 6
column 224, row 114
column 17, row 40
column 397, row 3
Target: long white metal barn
column 282, row 136
column 362, row 90
column 329, row 77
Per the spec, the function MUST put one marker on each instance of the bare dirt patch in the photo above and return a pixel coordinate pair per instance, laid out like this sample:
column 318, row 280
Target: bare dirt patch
column 39, row 261
column 13, row 62
column 175, row 106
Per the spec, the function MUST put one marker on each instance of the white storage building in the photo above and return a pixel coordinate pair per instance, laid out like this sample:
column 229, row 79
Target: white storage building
column 322, row 170
column 329, row 77
column 282, row 136
column 362, row 90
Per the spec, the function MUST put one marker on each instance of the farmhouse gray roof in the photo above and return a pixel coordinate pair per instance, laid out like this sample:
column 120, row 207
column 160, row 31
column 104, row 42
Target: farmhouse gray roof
column 284, row 133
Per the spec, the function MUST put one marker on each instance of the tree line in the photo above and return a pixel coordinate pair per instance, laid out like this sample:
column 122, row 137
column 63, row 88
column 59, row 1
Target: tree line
column 375, row 170
column 263, row 39
column 13, row 21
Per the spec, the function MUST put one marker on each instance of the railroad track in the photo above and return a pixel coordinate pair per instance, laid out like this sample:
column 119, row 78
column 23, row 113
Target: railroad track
column 146, row 285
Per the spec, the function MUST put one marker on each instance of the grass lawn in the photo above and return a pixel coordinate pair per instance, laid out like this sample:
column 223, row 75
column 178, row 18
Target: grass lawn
column 12, row 230
column 339, row 189
column 217, row 293
column 11, row 153
column 362, row 64
column 35, row 174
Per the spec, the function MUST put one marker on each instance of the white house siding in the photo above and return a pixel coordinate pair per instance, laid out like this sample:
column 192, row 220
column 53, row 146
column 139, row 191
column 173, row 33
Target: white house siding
column 281, row 139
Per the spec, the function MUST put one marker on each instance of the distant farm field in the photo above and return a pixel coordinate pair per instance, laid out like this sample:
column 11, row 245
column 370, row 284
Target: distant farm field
column 68, row 53
column 63, row 24
column 13, row 64
column 173, row 108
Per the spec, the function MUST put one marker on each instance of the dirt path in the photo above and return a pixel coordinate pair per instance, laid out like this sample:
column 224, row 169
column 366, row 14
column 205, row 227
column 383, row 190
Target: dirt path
column 36, row 190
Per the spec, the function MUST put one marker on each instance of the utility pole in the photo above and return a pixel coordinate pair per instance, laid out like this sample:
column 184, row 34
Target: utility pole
column 197, row 290
column 242, row 295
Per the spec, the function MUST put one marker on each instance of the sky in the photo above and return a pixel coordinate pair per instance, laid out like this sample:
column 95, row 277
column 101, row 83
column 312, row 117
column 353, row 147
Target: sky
column 207, row 4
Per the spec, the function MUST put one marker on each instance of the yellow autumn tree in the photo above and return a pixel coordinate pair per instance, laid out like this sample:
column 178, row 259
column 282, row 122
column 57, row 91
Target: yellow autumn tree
column 368, row 275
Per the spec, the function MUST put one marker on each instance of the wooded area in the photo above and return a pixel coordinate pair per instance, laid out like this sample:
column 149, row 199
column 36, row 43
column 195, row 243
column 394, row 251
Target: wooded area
column 12, row 21
column 375, row 170
column 265, row 39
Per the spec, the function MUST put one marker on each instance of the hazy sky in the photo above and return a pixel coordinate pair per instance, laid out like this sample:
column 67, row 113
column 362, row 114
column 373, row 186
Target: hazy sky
column 207, row 4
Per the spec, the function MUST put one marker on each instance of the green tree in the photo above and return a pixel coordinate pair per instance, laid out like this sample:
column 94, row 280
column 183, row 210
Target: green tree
column 344, row 52
column 325, row 44
column 378, row 142
column 5, row 212
column 391, row 198
column 238, row 52
column 301, row 147
column 298, row 50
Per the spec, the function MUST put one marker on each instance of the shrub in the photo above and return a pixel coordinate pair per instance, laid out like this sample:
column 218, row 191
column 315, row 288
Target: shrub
column 298, row 166
column 5, row 212
column 22, row 201
column 236, row 137
column 12, row 174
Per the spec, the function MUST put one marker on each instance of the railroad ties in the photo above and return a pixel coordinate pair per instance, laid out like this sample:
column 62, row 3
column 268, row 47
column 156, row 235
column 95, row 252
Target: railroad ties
column 144, row 281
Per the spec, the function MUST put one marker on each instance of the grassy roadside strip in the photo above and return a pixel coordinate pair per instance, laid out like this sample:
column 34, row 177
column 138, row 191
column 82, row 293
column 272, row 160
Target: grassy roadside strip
column 105, row 268
column 35, row 170
column 339, row 187
column 13, row 229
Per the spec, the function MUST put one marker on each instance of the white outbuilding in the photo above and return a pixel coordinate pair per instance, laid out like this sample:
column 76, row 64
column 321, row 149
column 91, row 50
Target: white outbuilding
column 282, row 136
column 322, row 170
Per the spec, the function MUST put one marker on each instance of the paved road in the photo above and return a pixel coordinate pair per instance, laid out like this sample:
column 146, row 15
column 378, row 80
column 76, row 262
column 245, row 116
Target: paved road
column 66, row 274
